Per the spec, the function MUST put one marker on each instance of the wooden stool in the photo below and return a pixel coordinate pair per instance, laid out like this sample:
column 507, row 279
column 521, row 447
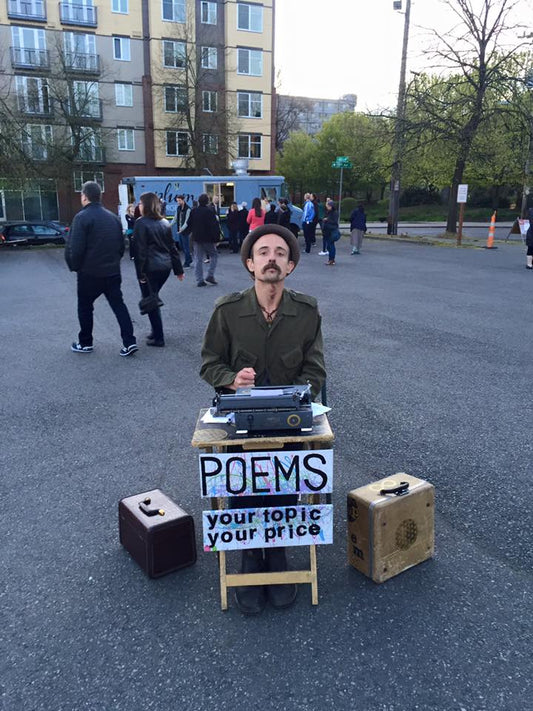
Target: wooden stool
column 216, row 437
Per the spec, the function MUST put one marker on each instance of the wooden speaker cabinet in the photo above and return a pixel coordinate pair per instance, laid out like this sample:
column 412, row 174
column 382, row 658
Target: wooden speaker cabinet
column 391, row 526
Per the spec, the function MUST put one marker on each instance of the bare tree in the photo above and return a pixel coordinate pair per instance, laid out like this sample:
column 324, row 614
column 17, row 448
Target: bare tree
column 476, row 61
column 289, row 112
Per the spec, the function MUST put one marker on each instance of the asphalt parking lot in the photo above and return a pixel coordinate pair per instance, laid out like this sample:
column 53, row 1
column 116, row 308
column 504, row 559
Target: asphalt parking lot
column 428, row 353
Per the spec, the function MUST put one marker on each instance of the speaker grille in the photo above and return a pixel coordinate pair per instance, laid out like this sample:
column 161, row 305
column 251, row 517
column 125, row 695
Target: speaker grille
column 406, row 534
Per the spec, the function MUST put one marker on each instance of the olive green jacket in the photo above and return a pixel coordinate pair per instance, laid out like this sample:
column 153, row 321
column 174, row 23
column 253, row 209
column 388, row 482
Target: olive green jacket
column 287, row 351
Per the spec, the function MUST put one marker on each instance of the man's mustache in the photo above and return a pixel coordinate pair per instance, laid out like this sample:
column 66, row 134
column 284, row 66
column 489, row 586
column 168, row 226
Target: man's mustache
column 271, row 265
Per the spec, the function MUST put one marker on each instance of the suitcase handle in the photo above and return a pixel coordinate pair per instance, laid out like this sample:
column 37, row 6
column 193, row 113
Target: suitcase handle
column 145, row 508
column 400, row 490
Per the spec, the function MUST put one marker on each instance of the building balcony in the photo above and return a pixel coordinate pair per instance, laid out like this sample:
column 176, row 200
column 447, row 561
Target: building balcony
column 33, row 10
column 30, row 58
column 36, row 109
column 93, row 110
column 90, row 154
column 73, row 14
column 77, row 63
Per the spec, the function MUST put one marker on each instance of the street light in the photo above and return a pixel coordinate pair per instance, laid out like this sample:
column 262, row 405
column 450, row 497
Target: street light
column 394, row 200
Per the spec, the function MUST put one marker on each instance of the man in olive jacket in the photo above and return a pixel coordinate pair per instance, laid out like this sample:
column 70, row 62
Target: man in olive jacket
column 266, row 335
column 94, row 248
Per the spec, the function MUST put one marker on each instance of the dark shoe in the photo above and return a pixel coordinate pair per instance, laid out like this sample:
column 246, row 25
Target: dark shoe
column 211, row 280
column 251, row 599
column 201, row 283
column 154, row 342
column 129, row 350
column 279, row 596
column 331, row 263
column 78, row 348
column 528, row 267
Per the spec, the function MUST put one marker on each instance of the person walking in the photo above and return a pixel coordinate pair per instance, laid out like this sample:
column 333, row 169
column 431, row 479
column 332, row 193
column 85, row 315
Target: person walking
column 284, row 214
column 529, row 241
column 156, row 255
column 205, row 230
column 330, row 230
column 233, row 223
column 243, row 215
column 94, row 248
column 256, row 216
column 308, row 222
column 130, row 222
column 357, row 227
column 179, row 229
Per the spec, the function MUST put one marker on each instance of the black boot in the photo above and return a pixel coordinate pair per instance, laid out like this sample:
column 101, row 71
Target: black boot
column 251, row 599
column 279, row 595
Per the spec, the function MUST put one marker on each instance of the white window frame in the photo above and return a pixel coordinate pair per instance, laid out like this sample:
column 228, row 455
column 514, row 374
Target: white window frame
column 175, row 10
column 79, row 177
column 123, row 94
column 211, row 55
column 92, row 138
column 207, row 138
column 252, row 98
column 207, row 101
column 254, row 61
column 179, row 135
column 120, row 7
column 175, row 90
column 124, row 43
column 40, row 97
column 251, row 140
column 126, row 139
column 31, row 142
column 209, row 11
column 254, row 17
column 179, row 49
column 86, row 97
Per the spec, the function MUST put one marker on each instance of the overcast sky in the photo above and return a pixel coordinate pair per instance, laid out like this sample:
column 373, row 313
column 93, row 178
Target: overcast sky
column 327, row 48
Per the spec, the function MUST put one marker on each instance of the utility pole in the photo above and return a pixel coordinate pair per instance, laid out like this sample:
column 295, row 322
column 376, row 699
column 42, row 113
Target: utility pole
column 394, row 201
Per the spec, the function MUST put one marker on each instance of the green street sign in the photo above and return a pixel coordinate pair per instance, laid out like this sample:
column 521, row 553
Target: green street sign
column 342, row 162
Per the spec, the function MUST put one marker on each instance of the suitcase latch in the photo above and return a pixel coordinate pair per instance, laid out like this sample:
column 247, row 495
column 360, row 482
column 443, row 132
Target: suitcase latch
column 399, row 490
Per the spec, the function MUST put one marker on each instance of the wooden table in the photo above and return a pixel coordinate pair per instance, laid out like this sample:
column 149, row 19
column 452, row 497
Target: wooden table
column 216, row 437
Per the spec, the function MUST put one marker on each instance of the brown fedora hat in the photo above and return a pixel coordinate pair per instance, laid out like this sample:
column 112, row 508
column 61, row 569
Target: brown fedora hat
column 252, row 237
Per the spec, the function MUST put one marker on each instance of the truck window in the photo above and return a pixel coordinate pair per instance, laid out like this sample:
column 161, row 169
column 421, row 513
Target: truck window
column 225, row 192
column 270, row 194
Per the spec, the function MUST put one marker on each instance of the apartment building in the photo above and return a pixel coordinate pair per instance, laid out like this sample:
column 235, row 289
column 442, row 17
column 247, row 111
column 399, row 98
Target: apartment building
column 106, row 89
column 303, row 113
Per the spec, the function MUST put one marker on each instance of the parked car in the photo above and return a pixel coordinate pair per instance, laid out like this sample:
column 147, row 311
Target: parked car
column 33, row 233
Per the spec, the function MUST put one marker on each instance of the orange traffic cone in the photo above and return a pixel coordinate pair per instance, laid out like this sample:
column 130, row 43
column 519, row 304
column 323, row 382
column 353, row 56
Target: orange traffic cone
column 490, row 237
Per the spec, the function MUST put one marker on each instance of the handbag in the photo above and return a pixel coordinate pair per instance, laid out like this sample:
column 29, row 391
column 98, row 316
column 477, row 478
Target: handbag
column 336, row 234
column 150, row 303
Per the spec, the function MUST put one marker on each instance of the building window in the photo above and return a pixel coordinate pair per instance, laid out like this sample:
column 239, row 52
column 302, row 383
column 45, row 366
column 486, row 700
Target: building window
column 250, row 105
column 174, row 54
column 250, row 145
column 177, row 143
column 82, row 176
column 32, row 95
column 124, row 94
column 209, row 100
column 250, row 61
column 176, row 99
column 249, row 17
column 126, row 139
column 209, row 57
column 29, row 47
column 210, row 143
column 174, row 10
column 119, row 6
column 209, row 13
column 88, row 144
column 86, row 100
column 36, row 139
column 121, row 48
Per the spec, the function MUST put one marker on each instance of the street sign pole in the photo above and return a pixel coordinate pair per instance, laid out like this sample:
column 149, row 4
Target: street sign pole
column 340, row 192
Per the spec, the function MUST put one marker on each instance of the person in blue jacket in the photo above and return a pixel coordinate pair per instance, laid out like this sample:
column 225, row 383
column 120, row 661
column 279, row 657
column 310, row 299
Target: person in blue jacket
column 358, row 228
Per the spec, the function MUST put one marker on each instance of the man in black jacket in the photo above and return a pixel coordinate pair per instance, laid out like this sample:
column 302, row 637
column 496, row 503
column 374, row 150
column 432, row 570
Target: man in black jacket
column 94, row 248
column 205, row 230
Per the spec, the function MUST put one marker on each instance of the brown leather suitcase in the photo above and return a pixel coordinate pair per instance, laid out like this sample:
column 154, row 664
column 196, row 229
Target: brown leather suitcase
column 157, row 533
column 391, row 525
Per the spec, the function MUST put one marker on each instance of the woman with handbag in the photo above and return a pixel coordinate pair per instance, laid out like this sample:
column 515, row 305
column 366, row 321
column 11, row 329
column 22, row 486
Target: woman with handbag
column 330, row 230
column 155, row 256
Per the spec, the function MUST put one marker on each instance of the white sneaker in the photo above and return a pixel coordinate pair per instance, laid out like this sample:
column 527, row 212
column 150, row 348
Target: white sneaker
column 322, row 254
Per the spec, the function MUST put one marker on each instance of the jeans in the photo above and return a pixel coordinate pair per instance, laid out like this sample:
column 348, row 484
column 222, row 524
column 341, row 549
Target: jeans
column 156, row 281
column 332, row 250
column 89, row 289
column 309, row 235
column 185, row 248
column 234, row 241
column 201, row 250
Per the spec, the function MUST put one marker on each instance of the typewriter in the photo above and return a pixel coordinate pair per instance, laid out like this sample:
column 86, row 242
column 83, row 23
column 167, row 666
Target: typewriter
column 268, row 409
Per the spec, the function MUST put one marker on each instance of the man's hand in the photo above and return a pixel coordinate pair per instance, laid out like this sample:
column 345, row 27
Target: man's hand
column 245, row 378
column 180, row 276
